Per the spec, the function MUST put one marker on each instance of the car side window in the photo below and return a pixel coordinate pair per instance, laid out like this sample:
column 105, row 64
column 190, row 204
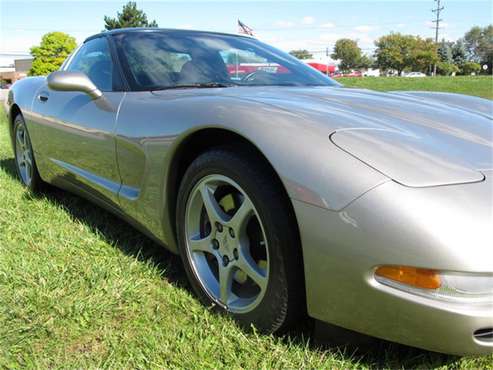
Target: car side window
column 94, row 59
column 154, row 66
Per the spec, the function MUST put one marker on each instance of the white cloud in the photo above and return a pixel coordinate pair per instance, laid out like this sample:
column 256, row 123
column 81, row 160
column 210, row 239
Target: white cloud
column 327, row 25
column 364, row 28
column 308, row 20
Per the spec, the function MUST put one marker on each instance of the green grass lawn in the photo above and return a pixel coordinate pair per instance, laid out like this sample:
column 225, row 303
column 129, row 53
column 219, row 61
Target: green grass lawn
column 81, row 289
column 470, row 85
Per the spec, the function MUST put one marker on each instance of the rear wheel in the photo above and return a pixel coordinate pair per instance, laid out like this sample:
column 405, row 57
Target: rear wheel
column 24, row 156
column 238, row 240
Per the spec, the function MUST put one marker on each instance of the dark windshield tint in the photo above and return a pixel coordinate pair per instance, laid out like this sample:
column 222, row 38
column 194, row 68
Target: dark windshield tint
column 157, row 60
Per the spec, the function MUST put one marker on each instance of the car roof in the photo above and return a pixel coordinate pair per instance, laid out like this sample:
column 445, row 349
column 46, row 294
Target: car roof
column 159, row 30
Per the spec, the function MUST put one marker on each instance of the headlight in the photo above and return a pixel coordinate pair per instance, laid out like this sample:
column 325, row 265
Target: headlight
column 451, row 286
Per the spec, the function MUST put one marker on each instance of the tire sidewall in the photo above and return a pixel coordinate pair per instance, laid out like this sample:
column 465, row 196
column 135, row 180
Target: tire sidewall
column 35, row 178
column 269, row 313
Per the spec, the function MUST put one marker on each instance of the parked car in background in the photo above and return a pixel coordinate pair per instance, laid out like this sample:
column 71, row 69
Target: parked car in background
column 348, row 74
column 414, row 75
column 283, row 192
column 371, row 73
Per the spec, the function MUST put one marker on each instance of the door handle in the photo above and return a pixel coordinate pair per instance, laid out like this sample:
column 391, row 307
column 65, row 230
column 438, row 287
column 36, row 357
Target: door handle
column 43, row 97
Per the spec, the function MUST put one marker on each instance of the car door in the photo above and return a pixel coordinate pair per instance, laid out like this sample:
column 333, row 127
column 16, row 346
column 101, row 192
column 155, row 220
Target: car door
column 75, row 134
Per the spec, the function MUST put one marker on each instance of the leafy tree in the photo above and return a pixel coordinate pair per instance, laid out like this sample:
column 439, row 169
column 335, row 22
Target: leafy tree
column 129, row 17
column 445, row 51
column 348, row 52
column 472, row 40
column 399, row 52
column 366, row 62
column 301, row 54
column 446, row 69
column 51, row 52
column 424, row 54
column 470, row 67
column 394, row 51
column 479, row 44
column 459, row 53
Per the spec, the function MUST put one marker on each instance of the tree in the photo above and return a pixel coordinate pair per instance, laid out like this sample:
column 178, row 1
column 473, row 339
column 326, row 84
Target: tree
column 446, row 69
column 459, row 53
column 423, row 55
column 445, row 51
column 365, row 62
column 394, row 51
column 399, row 52
column 348, row 53
column 51, row 52
column 470, row 67
column 479, row 45
column 129, row 17
column 472, row 40
column 301, row 54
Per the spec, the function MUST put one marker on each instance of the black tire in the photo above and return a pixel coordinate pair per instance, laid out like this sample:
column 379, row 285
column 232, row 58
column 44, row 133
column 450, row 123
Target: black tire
column 283, row 302
column 34, row 183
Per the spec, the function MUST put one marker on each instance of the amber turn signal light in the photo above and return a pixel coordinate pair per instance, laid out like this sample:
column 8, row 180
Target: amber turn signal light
column 413, row 276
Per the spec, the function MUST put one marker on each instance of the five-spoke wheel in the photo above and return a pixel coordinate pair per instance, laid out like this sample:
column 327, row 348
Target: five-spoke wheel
column 24, row 156
column 226, row 243
column 238, row 239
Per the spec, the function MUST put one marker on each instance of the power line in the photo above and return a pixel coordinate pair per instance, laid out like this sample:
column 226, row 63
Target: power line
column 437, row 21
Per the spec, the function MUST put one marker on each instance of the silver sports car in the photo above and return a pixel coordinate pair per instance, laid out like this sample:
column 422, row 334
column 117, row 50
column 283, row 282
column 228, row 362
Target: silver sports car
column 283, row 192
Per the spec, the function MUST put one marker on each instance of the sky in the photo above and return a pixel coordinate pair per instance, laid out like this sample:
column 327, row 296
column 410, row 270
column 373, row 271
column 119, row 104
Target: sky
column 285, row 24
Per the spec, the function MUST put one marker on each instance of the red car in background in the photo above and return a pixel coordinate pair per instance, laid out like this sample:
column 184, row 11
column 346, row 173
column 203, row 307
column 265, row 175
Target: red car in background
column 324, row 68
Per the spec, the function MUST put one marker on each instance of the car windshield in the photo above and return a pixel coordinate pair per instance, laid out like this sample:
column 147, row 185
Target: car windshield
column 186, row 59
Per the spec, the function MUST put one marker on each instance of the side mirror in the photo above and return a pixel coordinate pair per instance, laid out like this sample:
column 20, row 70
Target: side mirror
column 73, row 81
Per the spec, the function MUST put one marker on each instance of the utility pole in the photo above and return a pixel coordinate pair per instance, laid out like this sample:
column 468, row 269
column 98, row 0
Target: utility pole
column 437, row 21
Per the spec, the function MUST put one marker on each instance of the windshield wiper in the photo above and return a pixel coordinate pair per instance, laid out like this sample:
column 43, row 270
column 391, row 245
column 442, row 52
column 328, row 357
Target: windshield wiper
column 195, row 86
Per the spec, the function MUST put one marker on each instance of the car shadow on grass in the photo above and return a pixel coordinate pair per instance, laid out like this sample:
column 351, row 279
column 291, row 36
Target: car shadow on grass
column 361, row 349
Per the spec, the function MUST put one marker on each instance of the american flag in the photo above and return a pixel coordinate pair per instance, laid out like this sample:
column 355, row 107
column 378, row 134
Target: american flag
column 244, row 29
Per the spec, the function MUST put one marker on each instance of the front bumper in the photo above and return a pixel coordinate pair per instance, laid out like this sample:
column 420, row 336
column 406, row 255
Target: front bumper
column 445, row 228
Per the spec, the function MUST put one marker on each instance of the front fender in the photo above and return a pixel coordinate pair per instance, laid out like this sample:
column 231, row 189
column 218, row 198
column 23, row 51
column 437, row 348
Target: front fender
column 21, row 95
column 152, row 129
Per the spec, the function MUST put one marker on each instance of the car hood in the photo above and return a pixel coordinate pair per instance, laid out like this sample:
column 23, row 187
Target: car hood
column 415, row 138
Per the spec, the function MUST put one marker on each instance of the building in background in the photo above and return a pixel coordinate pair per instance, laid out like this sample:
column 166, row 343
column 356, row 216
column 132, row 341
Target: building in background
column 19, row 69
column 22, row 66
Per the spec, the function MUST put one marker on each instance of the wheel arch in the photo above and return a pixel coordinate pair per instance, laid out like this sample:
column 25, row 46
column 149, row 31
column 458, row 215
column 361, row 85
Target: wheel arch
column 197, row 143
column 14, row 111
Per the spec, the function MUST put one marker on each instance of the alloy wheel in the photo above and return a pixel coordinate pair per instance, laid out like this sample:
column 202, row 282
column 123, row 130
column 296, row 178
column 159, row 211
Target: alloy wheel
column 226, row 244
column 23, row 154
